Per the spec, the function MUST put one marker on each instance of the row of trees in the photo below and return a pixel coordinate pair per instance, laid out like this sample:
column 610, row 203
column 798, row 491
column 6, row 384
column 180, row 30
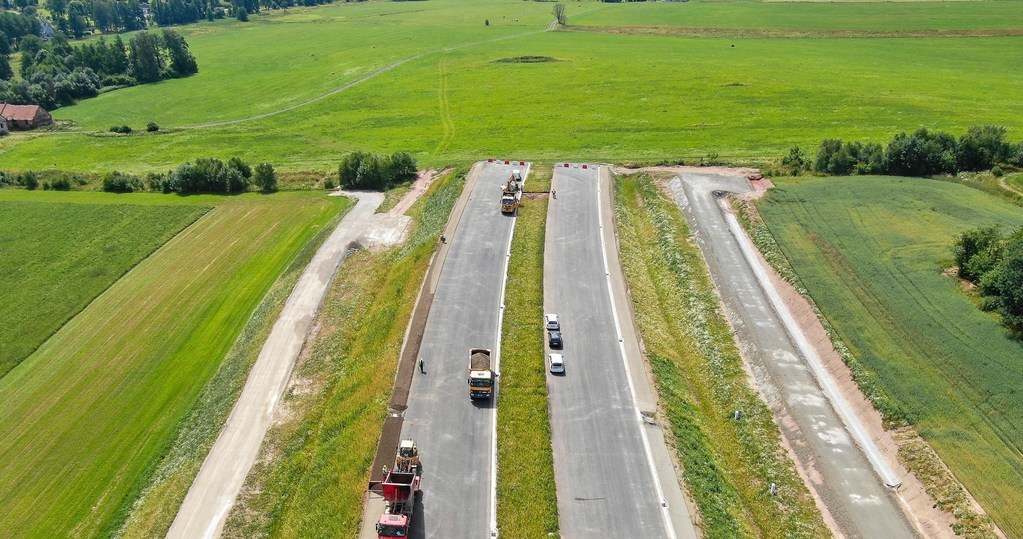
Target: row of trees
column 205, row 175
column 370, row 171
column 922, row 153
column 994, row 262
column 76, row 17
column 56, row 74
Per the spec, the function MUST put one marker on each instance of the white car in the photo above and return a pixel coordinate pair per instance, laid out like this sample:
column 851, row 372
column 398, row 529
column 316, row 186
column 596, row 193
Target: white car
column 556, row 363
column 552, row 322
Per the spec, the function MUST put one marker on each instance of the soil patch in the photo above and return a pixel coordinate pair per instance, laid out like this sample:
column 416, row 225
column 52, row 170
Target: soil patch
column 526, row 60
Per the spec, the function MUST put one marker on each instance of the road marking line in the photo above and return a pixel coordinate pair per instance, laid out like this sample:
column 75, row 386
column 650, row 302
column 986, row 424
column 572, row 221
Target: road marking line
column 665, row 515
column 497, row 370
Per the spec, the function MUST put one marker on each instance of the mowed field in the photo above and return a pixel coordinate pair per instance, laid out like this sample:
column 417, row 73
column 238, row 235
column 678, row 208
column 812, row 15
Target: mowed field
column 56, row 256
column 744, row 81
column 85, row 418
column 871, row 251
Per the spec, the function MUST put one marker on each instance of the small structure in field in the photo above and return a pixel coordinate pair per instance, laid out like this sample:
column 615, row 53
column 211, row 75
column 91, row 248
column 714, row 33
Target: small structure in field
column 25, row 116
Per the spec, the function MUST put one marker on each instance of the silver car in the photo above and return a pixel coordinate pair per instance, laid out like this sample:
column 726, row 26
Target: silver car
column 556, row 363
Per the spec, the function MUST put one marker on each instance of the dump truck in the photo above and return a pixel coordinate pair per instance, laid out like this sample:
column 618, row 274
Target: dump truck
column 511, row 193
column 481, row 378
column 399, row 488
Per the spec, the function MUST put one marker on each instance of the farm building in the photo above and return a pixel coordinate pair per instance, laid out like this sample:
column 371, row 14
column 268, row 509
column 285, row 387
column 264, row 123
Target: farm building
column 25, row 116
column 3, row 126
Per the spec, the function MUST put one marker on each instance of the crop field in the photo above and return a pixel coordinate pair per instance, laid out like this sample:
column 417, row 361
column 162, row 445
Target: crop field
column 56, row 257
column 871, row 252
column 311, row 474
column 710, row 87
column 87, row 416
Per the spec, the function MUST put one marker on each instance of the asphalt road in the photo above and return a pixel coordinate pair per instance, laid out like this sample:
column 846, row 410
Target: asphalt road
column 456, row 435
column 209, row 499
column 848, row 474
column 608, row 481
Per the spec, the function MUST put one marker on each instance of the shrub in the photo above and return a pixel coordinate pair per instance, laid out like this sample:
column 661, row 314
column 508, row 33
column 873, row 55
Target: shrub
column 795, row 161
column 62, row 183
column 205, row 176
column 265, row 178
column 241, row 166
column 921, row 154
column 120, row 129
column 29, row 180
column 364, row 170
column 118, row 80
column 152, row 127
column 981, row 147
column 116, row 182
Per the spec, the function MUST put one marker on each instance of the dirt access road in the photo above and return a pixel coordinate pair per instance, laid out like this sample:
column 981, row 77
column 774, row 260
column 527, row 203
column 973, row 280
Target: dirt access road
column 212, row 494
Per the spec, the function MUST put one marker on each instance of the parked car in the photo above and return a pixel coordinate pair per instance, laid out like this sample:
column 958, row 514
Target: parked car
column 552, row 322
column 556, row 363
column 554, row 339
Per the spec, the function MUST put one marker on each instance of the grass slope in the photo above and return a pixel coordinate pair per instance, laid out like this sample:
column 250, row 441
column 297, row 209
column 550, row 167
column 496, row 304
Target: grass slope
column 55, row 258
column 607, row 97
column 870, row 251
column 85, row 419
column 311, row 475
column 728, row 465
column 526, row 500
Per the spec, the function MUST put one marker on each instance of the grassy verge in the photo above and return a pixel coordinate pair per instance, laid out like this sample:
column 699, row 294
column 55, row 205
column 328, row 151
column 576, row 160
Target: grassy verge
column 728, row 465
column 526, row 499
column 311, row 474
column 89, row 415
column 539, row 181
column 154, row 511
column 917, row 345
column 55, row 258
column 393, row 196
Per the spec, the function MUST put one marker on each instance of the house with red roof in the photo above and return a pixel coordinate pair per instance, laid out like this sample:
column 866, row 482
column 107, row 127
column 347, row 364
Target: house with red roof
column 25, row 116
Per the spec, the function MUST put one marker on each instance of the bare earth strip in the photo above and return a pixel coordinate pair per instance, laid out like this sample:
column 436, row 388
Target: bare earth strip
column 211, row 496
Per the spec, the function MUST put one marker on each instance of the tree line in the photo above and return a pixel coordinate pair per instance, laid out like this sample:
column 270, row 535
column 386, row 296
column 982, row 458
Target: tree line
column 922, row 153
column 373, row 172
column 56, row 74
column 77, row 17
column 993, row 261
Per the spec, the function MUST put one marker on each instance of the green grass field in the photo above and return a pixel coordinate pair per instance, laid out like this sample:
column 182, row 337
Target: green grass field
column 311, row 475
column 609, row 97
column 871, row 252
column 56, row 257
column 527, row 503
column 86, row 418
column 698, row 370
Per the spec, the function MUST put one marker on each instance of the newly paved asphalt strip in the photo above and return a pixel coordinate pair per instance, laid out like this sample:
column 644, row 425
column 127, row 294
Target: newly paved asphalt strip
column 605, row 464
column 850, row 486
column 455, row 434
column 209, row 499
